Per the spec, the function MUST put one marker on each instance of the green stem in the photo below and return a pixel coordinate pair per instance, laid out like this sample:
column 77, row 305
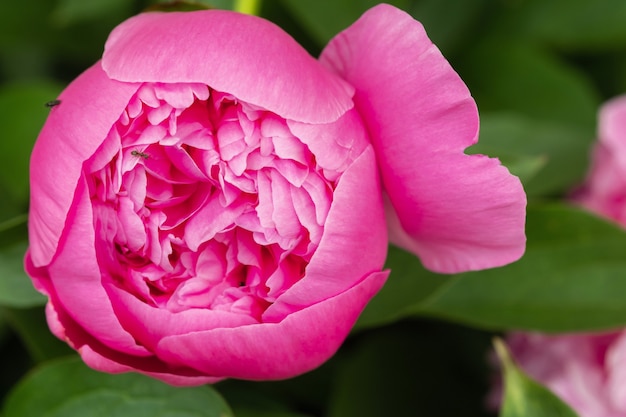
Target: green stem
column 250, row 7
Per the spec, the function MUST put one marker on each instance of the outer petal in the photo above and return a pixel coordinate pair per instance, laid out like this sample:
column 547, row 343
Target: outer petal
column 105, row 359
column 456, row 212
column 67, row 139
column 242, row 55
column 354, row 243
column 77, row 280
column 101, row 363
column 301, row 342
column 149, row 325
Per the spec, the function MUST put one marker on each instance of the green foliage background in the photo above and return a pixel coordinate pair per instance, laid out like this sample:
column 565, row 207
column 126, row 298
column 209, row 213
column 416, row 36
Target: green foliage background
column 538, row 69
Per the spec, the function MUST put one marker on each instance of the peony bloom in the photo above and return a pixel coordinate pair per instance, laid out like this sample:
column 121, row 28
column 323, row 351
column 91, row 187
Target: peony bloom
column 588, row 371
column 209, row 201
column 604, row 191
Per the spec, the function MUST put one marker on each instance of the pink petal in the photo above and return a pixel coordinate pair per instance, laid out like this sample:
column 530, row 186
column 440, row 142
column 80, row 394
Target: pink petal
column 131, row 224
column 113, row 362
column 104, row 359
column 77, row 280
column 604, row 190
column 455, row 211
column 212, row 218
column 612, row 129
column 616, row 373
column 242, row 55
column 469, row 214
column 576, row 367
column 299, row 343
column 283, row 214
column 149, row 325
column 330, row 143
column 67, row 139
column 354, row 243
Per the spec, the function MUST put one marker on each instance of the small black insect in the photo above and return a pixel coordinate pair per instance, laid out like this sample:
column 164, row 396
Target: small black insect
column 139, row 154
column 52, row 103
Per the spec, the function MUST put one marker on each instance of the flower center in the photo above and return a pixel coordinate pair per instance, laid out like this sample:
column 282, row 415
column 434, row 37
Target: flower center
column 203, row 201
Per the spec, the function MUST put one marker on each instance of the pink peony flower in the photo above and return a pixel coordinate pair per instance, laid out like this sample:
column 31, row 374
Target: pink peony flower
column 604, row 191
column 209, row 201
column 587, row 371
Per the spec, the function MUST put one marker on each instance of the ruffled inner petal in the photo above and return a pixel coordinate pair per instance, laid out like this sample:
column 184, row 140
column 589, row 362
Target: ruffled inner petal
column 208, row 202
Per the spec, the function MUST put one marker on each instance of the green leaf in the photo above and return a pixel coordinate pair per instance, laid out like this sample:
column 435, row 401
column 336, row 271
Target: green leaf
column 408, row 284
column 550, row 158
column 525, row 167
column 191, row 5
column 12, row 227
column 23, row 25
column 256, row 413
column 31, row 326
column 411, row 369
column 507, row 75
column 449, row 22
column 67, row 388
column 524, row 397
column 22, row 114
column 325, row 18
column 248, row 399
column 182, row 6
column 574, row 24
column 4, row 328
column 297, row 397
column 16, row 288
column 71, row 11
column 570, row 279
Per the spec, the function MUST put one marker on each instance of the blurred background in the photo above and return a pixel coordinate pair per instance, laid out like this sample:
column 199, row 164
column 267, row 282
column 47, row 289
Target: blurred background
column 538, row 69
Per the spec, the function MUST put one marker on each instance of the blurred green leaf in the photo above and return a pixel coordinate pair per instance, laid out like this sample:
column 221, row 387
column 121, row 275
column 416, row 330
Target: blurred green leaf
column 23, row 24
column 606, row 69
column 303, row 396
column 257, row 413
column 12, row 225
column 525, row 167
column 16, row 288
column 523, row 397
column 574, row 24
column 220, row 4
column 27, row 39
column 326, row 18
column 190, row 5
column 31, row 326
column 4, row 328
column 408, row 284
column 551, row 158
column 22, row 114
column 571, row 278
column 508, row 75
column 254, row 399
column 449, row 23
column 412, row 369
column 67, row 388
column 68, row 12
column 183, row 6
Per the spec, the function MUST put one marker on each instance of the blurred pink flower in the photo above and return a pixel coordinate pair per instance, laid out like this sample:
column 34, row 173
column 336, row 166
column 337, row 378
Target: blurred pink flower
column 209, row 201
column 604, row 191
column 588, row 371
